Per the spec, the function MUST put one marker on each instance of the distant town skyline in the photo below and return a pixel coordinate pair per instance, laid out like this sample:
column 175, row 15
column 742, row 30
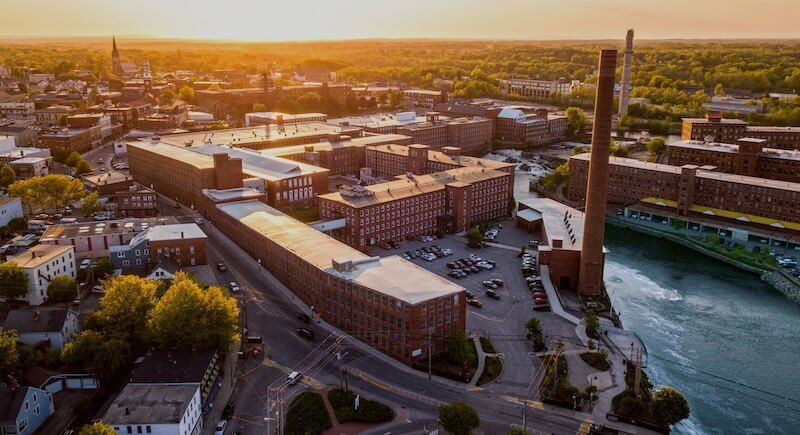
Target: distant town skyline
column 251, row 20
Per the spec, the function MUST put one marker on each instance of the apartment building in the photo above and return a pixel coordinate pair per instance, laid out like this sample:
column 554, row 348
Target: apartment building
column 278, row 118
column 12, row 110
column 42, row 263
column 68, row 140
column 423, row 99
column 520, row 125
column 533, row 88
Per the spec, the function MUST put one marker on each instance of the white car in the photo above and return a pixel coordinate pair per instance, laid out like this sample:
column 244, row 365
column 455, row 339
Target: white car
column 234, row 287
column 98, row 289
column 447, row 252
column 85, row 264
column 429, row 257
column 220, row 428
column 198, row 221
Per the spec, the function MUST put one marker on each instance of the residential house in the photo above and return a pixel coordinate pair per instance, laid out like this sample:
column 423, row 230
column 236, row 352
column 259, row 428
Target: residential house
column 156, row 409
column 23, row 409
column 42, row 263
column 53, row 327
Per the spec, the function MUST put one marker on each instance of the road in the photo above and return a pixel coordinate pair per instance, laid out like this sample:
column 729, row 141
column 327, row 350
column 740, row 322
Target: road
column 268, row 313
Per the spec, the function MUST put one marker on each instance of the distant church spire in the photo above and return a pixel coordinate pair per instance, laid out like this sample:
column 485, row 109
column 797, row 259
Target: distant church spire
column 116, row 64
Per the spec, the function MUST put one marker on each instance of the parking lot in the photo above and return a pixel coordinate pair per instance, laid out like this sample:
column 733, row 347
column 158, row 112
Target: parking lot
column 502, row 320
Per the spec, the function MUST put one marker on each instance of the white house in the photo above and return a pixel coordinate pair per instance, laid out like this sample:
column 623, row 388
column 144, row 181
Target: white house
column 156, row 409
column 42, row 263
column 54, row 326
column 10, row 208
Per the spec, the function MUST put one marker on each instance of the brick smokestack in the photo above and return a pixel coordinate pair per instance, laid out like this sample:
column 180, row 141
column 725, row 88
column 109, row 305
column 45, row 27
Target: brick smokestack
column 624, row 90
column 592, row 257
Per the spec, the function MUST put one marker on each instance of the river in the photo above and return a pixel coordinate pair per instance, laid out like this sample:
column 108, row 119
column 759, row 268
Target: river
column 700, row 319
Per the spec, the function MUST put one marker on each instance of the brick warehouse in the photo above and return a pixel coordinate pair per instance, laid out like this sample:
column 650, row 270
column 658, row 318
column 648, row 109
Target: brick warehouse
column 632, row 180
column 389, row 303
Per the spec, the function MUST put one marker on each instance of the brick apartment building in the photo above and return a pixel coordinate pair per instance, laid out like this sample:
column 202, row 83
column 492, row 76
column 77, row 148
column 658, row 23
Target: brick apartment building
column 388, row 303
column 411, row 205
column 726, row 130
column 537, row 88
column 469, row 134
column 67, row 140
column 267, row 137
column 269, row 118
column 136, row 202
column 690, row 185
column 748, row 156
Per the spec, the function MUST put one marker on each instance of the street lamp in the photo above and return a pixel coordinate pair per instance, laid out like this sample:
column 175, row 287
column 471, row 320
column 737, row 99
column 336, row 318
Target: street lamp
column 574, row 401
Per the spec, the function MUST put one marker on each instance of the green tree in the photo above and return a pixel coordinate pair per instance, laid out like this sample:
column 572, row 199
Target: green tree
column 619, row 151
column 52, row 191
column 62, row 289
column 458, row 418
column 187, row 316
column 13, row 281
column 72, row 159
column 533, row 325
column 592, row 324
column 719, row 91
column 82, row 167
column 125, row 306
column 97, row 428
column 91, row 204
column 7, row 175
column 669, row 406
column 186, row 93
column 310, row 101
column 576, row 119
column 8, row 351
column 103, row 268
column 59, row 155
column 656, row 146
column 457, row 348
column 474, row 237
column 167, row 96
column 78, row 353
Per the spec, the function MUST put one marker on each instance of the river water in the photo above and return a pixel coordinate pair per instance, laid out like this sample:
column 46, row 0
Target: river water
column 706, row 326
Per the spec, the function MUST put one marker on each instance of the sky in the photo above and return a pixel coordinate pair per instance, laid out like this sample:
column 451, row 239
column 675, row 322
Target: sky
column 353, row 19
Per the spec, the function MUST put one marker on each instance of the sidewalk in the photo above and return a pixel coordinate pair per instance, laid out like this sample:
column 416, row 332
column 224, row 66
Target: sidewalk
column 224, row 394
column 481, row 361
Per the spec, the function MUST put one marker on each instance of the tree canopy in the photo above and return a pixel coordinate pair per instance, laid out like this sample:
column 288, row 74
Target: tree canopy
column 97, row 428
column 62, row 289
column 668, row 406
column 458, row 418
column 50, row 192
column 13, row 280
column 7, row 175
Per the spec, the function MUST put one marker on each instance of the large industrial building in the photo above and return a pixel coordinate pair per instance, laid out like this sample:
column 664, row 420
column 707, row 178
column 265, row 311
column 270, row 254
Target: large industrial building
column 715, row 128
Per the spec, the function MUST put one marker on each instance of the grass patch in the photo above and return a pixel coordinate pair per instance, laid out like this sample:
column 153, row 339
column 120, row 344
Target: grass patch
column 305, row 214
column 487, row 345
column 596, row 360
column 369, row 411
column 441, row 366
column 491, row 370
column 307, row 415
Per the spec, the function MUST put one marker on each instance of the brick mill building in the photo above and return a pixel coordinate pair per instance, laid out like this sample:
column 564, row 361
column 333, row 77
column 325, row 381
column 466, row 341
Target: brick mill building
column 748, row 156
column 389, row 303
column 715, row 128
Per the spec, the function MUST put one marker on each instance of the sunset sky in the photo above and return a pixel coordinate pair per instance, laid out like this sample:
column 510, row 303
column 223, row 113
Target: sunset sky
column 347, row 19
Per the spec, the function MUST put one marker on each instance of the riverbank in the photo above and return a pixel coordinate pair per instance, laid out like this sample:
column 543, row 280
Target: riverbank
column 776, row 278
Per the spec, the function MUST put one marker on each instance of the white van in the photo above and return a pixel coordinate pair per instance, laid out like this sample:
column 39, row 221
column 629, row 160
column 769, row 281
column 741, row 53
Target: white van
column 295, row 377
column 68, row 220
column 36, row 225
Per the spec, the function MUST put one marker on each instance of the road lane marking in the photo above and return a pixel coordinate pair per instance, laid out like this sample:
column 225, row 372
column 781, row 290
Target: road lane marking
column 530, row 403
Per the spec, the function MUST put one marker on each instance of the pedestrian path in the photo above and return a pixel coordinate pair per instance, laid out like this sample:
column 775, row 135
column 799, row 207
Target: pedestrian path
column 552, row 296
column 481, row 361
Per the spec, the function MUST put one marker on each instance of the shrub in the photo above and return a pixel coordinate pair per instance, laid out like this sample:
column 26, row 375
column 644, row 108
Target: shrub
column 369, row 411
column 596, row 360
column 307, row 415
column 487, row 345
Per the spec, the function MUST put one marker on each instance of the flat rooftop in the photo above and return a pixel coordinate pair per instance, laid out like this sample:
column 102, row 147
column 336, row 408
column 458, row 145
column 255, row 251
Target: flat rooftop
column 391, row 276
column 720, row 121
column 406, row 187
column 734, row 148
column 438, row 156
column 325, row 145
column 257, row 134
column 37, row 255
column 558, row 219
column 773, row 129
column 150, row 404
column 175, row 232
column 87, row 229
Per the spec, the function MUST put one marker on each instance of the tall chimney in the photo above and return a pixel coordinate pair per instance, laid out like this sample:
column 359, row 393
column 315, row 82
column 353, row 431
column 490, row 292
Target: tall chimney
column 592, row 261
column 624, row 90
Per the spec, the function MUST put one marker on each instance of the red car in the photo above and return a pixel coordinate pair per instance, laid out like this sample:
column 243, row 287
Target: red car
column 540, row 295
column 540, row 301
column 475, row 303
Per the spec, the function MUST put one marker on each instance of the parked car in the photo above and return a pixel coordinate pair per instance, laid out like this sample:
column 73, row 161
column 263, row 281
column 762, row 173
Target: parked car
column 303, row 317
column 489, row 284
column 295, row 377
column 447, row 252
column 85, row 264
column 176, row 205
column 305, row 333
column 451, row 265
column 98, row 289
column 475, row 303
column 542, row 295
column 469, row 294
column 234, row 287
column 221, row 267
column 198, row 221
column 454, row 274
column 498, row 282
column 220, row 428
column 540, row 301
column 492, row 294
column 474, row 269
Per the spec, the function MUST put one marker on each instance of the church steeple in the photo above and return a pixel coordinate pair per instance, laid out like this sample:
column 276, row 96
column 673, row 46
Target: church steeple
column 116, row 64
